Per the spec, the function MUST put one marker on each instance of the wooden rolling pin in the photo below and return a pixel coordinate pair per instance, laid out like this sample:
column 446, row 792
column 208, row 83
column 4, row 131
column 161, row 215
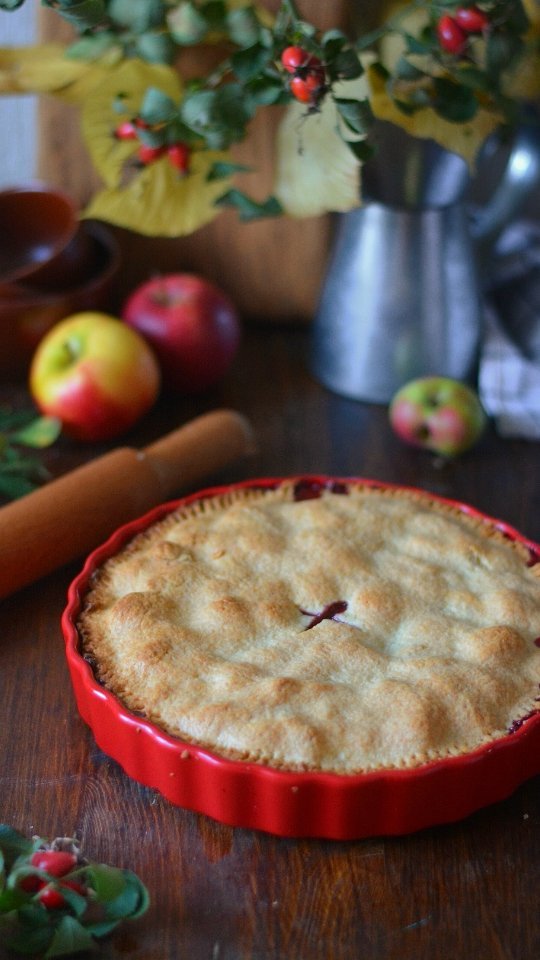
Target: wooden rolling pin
column 70, row 516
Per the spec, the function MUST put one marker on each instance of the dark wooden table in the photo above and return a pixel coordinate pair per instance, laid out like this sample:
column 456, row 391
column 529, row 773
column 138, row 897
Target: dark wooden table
column 468, row 890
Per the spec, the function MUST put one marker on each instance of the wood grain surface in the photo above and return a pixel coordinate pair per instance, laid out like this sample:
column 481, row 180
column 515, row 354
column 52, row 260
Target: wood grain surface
column 454, row 892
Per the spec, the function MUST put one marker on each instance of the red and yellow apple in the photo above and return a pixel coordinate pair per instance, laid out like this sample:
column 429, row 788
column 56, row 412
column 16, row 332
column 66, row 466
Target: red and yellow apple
column 439, row 414
column 192, row 326
column 94, row 373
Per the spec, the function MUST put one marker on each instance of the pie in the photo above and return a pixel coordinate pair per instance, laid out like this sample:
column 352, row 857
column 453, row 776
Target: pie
column 348, row 627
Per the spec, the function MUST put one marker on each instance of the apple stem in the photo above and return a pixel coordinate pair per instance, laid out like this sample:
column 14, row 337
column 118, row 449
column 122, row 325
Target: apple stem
column 161, row 295
column 72, row 349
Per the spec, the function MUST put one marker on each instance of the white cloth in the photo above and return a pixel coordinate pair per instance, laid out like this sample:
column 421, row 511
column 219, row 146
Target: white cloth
column 509, row 383
column 509, row 370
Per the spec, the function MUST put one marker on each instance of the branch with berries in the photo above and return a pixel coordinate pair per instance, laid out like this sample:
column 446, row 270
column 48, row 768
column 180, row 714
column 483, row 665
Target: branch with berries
column 55, row 902
column 453, row 65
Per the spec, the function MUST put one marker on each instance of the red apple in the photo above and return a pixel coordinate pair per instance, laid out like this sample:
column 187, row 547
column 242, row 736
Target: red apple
column 439, row 414
column 94, row 373
column 192, row 325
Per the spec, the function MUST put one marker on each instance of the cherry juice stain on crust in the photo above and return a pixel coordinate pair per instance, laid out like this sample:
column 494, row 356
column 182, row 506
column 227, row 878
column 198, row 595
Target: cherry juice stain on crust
column 517, row 724
column 329, row 612
column 312, row 489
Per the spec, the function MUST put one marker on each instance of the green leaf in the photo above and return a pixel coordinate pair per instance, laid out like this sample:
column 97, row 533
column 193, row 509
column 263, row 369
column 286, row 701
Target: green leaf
column 220, row 116
column 219, row 171
column 69, row 937
column 10, row 900
column 501, row 50
column 215, row 14
column 249, row 209
column 357, row 114
column 137, row 887
column 121, row 891
column 474, row 78
column 416, row 45
column 243, row 26
column 14, row 463
column 15, row 487
column 41, row 432
column 157, row 107
column 187, row 24
column 453, row 101
column 14, row 418
column 250, row 62
column 362, row 149
column 131, row 902
column 13, row 844
column 108, row 882
column 137, row 15
column 405, row 70
column 93, row 46
column 77, row 902
column 82, row 15
column 11, row 4
column 264, row 91
column 368, row 40
column 31, row 941
column 332, row 41
column 346, row 66
column 102, row 928
column 155, row 47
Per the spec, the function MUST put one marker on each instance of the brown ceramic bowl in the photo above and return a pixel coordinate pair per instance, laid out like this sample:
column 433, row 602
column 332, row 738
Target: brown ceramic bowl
column 27, row 313
column 38, row 223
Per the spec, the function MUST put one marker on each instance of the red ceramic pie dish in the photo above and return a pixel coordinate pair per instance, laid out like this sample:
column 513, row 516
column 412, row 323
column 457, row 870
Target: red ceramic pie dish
column 292, row 804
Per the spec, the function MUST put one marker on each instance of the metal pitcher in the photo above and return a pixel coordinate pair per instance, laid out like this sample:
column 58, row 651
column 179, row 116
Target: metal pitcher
column 402, row 297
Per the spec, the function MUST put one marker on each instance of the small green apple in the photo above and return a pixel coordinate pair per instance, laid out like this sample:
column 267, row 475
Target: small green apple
column 94, row 373
column 439, row 414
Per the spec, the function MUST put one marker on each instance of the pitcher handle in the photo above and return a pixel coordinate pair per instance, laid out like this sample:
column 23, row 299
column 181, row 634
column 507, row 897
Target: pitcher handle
column 520, row 177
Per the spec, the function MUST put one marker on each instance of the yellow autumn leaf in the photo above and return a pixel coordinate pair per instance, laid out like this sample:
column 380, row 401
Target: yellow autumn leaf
column 466, row 138
column 523, row 80
column 99, row 119
column 316, row 171
column 160, row 202
column 173, row 205
column 38, row 69
column 532, row 9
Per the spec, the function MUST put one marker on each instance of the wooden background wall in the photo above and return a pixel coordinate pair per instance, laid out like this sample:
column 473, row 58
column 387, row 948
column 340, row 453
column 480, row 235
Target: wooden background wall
column 272, row 268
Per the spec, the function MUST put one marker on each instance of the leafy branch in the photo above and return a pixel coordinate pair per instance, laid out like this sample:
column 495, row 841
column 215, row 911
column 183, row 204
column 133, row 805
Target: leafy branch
column 20, row 473
column 54, row 902
column 460, row 80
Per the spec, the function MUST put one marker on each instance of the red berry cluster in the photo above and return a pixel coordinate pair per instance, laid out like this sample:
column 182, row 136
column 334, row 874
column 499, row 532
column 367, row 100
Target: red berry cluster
column 57, row 863
column 179, row 154
column 453, row 31
column 308, row 80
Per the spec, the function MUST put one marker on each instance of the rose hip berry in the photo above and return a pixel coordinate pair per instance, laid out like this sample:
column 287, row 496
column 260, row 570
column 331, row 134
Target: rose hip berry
column 51, row 897
column 126, row 131
column 148, row 154
column 179, row 155
column 55, row 862
column 308, row 79
column 471, row 19
column 294, row 58
column 451, row 36
column 307, row 89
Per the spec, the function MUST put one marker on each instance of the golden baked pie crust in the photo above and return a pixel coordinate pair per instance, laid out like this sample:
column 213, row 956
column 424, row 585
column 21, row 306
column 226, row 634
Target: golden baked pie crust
column 374, row 629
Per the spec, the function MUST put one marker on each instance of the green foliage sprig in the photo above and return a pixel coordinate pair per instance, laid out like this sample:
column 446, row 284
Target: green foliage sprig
column 215, row 110
column 20, row 472
column 94, row 898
